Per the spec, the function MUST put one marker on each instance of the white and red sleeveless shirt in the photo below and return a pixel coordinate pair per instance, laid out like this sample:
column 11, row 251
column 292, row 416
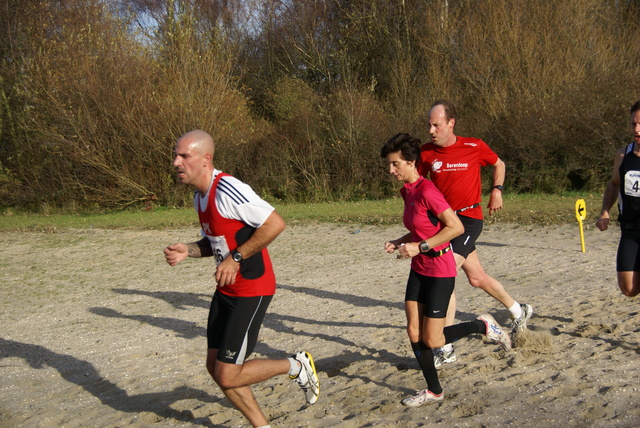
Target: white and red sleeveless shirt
column 229, row 213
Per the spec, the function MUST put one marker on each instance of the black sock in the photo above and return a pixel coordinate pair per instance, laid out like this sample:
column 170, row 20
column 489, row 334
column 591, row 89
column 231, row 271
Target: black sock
column 424, row 355
column 464, row 329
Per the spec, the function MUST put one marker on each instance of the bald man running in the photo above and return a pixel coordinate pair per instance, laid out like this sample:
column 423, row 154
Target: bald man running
column 237, row 226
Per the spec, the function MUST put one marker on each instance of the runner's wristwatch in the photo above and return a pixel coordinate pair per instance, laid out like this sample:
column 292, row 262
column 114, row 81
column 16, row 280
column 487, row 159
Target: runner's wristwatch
column 237, row 257
column 424, row 246
column 498, row 186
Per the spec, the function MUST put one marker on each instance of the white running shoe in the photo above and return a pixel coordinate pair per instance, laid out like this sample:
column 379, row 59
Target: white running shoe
column 422, row 397
column 442, row 356
column 308, row 377
column 518, row 325
column 496, row 333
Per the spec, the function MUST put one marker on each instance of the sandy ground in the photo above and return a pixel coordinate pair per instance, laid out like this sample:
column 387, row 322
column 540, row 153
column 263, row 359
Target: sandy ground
column 97, row 331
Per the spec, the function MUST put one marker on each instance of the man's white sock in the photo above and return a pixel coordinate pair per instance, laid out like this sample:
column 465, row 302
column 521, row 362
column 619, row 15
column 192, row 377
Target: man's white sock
column 295, row 368
column 516, row 310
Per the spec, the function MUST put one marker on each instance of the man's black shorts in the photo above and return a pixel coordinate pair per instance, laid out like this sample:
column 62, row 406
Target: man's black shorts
column 465, row 244
column 628, row 257
column 234, row 324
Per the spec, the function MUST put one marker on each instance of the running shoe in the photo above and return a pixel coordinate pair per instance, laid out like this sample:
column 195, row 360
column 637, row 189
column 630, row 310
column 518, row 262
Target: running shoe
column 308, row 377
column 442, row 356
column 496, row 333
column 422, row 397
column 518, row 325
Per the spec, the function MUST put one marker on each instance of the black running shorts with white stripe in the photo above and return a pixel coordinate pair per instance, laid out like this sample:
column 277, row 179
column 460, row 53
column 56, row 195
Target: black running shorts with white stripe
column 234, row 324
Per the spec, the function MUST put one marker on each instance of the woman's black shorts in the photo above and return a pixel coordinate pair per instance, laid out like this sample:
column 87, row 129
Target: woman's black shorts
column 465, row 244
column 434, row 293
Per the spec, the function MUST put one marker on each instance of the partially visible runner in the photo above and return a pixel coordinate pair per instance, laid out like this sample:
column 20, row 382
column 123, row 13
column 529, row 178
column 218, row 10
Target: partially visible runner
column 624, row 186
column 237, row 226
column 454, row 164
column 431, row 224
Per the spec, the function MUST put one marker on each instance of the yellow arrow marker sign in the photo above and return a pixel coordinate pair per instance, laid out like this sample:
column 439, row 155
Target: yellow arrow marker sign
column 581, row 214
column 581, row 210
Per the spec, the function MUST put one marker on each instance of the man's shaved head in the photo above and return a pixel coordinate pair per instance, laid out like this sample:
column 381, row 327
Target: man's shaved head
column 199, row 141
column 194, row 159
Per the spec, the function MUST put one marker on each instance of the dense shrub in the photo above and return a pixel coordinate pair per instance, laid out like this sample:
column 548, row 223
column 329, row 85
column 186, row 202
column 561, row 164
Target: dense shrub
column 300, row 95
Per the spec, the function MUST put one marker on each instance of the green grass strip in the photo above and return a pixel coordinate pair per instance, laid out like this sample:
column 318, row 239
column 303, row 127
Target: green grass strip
column 522, row 209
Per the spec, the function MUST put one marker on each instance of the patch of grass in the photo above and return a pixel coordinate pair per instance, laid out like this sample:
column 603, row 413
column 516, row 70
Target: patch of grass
column 546, row 210
column 160, row 218
column 388, row 211
column 534, row 209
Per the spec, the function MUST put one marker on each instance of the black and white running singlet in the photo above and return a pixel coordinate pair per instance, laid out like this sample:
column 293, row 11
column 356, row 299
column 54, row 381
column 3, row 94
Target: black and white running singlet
column 629, row 200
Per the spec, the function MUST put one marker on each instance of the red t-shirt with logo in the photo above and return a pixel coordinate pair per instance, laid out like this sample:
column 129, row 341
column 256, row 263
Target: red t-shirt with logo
column 455, row 170
column 422, row 204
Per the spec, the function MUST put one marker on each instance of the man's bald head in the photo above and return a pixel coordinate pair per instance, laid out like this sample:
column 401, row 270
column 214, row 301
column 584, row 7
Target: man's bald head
column 199, row 141
column 194, row 159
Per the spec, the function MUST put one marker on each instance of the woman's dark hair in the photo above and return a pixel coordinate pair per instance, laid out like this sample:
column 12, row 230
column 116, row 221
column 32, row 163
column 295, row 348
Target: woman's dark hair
column 404, row 143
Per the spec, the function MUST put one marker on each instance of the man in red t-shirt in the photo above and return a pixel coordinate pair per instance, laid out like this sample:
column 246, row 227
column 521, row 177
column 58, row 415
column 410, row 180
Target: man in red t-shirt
column 454, row 164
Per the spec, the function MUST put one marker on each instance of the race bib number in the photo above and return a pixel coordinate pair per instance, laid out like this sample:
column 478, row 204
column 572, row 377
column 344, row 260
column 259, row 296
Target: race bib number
column 219, row 247
column 632, row 184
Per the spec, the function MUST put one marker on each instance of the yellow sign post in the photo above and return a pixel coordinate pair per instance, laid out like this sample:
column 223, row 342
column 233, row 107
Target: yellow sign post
column 581, row 214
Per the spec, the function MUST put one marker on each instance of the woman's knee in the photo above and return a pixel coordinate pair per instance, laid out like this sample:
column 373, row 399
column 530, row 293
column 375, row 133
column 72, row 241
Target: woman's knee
column 432, row 342
column 433, row 338
column 413, row 331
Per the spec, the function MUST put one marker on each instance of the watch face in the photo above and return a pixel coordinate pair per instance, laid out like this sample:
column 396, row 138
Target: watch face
column 237, row 256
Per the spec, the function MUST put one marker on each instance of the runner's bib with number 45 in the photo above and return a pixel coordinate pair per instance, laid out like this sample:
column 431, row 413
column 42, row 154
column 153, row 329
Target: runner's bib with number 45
column 629, row 200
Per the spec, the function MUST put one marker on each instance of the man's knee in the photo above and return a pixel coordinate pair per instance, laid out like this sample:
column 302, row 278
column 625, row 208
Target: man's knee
column 214, row 367
column 211, row 367
column 629, row 283
column 629, row 291
column 479, row 281
column 226, row 377
column 475, row 273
